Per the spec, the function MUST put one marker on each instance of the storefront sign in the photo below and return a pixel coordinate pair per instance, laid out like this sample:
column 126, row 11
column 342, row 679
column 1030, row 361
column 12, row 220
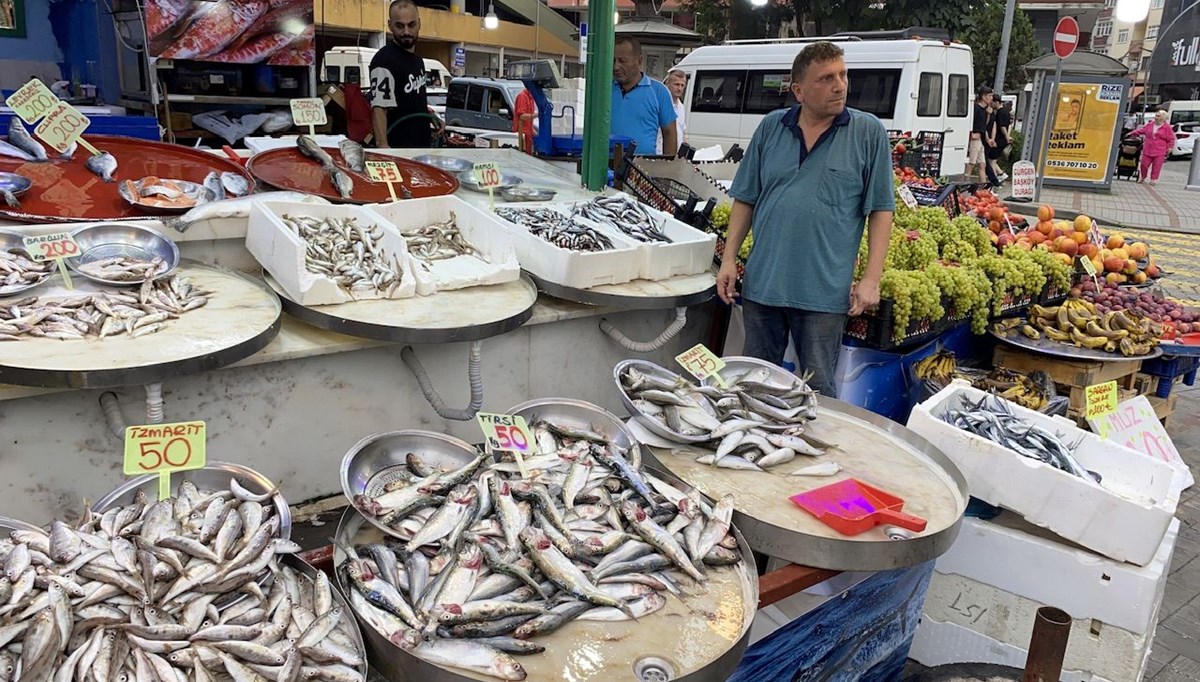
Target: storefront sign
column 701, row 363
column 1134, row 425
column 507, row 433
column 32, row 101
column 385, row 171
column 1081, row 138
column 164, row 448
column 1100, row 399
column 1024, row 177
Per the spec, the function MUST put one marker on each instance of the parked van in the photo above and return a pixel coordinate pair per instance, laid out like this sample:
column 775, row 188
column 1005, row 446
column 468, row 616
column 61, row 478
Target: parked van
column 910, row 84
column 1180, row 111
column 353, row 65
column 482, row 103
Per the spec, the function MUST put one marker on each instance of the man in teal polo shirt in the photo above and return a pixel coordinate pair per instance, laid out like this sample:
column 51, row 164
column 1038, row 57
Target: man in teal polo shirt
column 641, row 106
column 811, row 175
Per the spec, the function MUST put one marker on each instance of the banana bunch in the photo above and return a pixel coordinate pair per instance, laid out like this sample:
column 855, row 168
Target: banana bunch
column 939, row 367
column 1014, row 386
column 1076, row 322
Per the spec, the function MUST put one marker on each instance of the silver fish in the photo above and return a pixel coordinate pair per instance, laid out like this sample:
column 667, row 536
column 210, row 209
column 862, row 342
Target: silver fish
column 104, row 165
column 353, row 154
column 342, row 182
column 11, row 150
column 312, row 150
column 212, row 182
column 19, row 137
column 235, row 184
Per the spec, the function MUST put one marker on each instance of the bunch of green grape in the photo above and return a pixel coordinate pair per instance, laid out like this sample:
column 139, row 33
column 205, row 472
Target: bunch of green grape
column 720, row 216
column 914, row 296
column 1033, row 276
column 968, row 288
column 1010, row 275
column 910, row 250
column 958, row 252
column 747, row 245
column 928, row 219
column 1057, row 272
column 969, row 230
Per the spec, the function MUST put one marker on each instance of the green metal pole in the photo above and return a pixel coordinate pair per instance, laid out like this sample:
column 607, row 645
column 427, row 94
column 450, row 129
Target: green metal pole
column 597, row 106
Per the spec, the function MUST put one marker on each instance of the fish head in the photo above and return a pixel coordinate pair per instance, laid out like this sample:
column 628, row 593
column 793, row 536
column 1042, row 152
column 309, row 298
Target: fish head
column 633, row 511
column 471, row 557
column 535, row 537
column 406, row 638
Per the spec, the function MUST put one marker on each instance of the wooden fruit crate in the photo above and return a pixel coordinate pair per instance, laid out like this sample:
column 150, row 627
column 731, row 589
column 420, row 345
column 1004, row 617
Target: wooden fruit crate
column 1072, row 377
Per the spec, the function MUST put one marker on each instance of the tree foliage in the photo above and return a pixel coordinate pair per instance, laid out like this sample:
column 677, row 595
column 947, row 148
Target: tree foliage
column 983, row 35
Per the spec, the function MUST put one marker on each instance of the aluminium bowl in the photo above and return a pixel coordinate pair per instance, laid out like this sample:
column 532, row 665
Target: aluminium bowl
column 15, row 182
column 372, row 462
column 521, row 193
column 130, row 240
column 15, row 241
column 450, row 164
column 651, row 424
column 467, row 180
column 339, row 599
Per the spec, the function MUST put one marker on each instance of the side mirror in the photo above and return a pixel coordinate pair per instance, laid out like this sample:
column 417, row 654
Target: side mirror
column 505, row 113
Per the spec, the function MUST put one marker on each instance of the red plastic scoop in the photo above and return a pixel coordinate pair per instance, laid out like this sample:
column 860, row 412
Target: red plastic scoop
column 851, row 507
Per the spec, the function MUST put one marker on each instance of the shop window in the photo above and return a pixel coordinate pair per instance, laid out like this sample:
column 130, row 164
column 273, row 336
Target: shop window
column 929, row 95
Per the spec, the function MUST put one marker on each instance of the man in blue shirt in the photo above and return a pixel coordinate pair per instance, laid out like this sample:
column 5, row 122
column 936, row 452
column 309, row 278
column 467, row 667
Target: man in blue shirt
column 641, row 106
column 811, row 175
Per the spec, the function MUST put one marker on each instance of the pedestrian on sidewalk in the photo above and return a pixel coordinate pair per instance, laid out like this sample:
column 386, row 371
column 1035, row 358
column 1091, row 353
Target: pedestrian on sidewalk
column 1159, row 140
column 980, row 138
column 998, row 130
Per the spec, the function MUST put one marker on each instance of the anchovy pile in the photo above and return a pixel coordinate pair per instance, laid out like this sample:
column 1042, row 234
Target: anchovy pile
column 563, row 231
column 623, row 213
column 484, row 560
column 146, row 592
column 18, row 271
column 753, row 423
column 101, row 314
column 440, row 241
column 348, row 253
column 990, row 418
column 124, row 269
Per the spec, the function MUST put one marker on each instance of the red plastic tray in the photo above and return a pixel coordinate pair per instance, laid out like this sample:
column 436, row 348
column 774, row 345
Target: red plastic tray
column 288, row 169
column 66, row 191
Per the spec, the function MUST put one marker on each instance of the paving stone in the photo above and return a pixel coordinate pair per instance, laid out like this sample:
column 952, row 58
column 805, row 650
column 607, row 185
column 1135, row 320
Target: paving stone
column 1180, row 669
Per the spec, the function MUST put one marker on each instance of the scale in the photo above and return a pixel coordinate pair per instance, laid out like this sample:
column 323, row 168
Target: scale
column 538, row 75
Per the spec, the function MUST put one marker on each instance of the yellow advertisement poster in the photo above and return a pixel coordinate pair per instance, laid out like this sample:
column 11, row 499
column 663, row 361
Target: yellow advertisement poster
column 1081, row 140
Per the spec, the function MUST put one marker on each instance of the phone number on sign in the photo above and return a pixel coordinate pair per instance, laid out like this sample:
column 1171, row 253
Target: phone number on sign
column 1086, row 165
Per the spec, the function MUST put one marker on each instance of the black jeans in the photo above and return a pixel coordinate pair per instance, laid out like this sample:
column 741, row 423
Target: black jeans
column 818, row 339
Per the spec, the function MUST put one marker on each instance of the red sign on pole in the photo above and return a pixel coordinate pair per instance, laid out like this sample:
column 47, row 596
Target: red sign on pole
column 1066, row 37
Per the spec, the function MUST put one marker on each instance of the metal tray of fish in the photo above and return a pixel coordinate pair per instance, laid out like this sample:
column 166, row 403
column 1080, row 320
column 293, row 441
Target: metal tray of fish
column 21, row 267
column 451, row 164
column 12, row 186
column 214, row 476
column 1065, row 350
column 132, row 243
column 527, row 194
column 650, row 423
column 467, row 179
column 165, row 195
column 9, row 524
column 577, row 414
column 379, row 459
column 339, row 599
column 702, row 640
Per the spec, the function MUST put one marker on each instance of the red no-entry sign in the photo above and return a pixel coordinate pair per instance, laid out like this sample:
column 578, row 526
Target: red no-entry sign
column 1066, row 37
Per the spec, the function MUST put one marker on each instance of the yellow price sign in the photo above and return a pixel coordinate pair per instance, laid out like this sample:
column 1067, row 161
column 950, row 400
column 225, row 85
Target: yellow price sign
column 1100, row 399
column 385, row 171
column 32, row 101
column 64, row 126
column 1089, row 268
column 58, row 246
column 308, row 111
column 507, row 433
column 164, row 448
column 487, row 174
column 701, row 363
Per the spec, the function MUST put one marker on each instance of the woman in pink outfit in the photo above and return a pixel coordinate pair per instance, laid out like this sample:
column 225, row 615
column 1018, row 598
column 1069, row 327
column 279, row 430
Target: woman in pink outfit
column 1160, row 140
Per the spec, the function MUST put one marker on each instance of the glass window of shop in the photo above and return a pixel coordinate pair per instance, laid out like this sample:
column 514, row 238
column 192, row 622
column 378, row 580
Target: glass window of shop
column 874, row 91
column 929, row 95
column 959, row 100
column 768, row 91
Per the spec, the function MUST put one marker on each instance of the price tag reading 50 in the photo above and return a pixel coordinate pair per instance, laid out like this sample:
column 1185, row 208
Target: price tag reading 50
column 163, row 448
column 700, row 362
column 505, row 432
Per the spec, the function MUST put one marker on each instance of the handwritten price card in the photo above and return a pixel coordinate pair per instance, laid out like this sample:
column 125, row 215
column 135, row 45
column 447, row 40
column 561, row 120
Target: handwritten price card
column 509, row 433
column 385, row 171
column 165, row 448
column 57, row 246
column 62, row 127
column 32, row 101
column 308, row 111
column 1100, row 399
column 701, row 363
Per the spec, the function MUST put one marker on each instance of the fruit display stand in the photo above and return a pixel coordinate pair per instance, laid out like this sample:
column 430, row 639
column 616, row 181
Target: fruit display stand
column 1072, row 376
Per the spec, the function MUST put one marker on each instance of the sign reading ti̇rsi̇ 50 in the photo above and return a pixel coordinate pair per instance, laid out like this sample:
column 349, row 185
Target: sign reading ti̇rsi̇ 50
column 1081, row 137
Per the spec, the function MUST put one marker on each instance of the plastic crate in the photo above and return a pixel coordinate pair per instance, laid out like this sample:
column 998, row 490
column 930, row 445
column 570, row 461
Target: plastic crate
column 945, row 196
column 647, row 191
column 719, row 254
column 1167, row 368
column 1013, row 305
column 874, row 329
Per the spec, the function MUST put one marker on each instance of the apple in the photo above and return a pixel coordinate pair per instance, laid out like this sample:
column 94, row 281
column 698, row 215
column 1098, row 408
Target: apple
column 1113, row 264
column 1045, row 212
column 1037, row 237
column 1121, row 253
column 1082, row 223
column 1114, row 278
column 1130, row 267
column 1044, row 226
column 1153, row 272
column 1004, row 239
column 1088, row 250
column 1064, row 258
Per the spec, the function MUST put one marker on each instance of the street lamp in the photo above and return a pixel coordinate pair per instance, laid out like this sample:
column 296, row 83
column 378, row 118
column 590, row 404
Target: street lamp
column 1132, row 11
column 758, row 3
column 490, row 20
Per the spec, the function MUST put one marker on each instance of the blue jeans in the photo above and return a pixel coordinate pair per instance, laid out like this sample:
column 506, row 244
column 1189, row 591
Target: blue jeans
column 818, row 339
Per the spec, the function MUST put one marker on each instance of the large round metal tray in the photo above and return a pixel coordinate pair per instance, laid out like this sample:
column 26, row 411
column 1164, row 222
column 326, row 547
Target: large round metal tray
column 287, row 169
column 460, row 315
column 372, row 462
column 1065, row 350
column 883, row 453
column 129, row 240
column 587, row 646
column 640, row 294
column 653, row 425
column 9, row 524
column 339, row 599
column 579, row 414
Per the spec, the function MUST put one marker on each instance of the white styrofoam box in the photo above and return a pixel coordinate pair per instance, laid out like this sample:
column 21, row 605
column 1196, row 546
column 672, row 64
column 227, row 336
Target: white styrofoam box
column 575, row 269
column 968, row 622
column 482, row 230
column 281, row 251
column 1015, row 556
column 1124, row 517
column 689, row 253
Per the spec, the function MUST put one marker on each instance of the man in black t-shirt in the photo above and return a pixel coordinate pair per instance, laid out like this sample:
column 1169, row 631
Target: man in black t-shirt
column 976, row 147
column 398, row 82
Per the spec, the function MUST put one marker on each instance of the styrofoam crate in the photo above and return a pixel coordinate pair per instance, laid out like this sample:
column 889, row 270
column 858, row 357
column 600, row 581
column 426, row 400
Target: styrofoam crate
column 1015, row 556
column 689, row 253
column 575, row 269
column 482, row 230
column 281, row 251
column 1124, row 517
column 968, row 622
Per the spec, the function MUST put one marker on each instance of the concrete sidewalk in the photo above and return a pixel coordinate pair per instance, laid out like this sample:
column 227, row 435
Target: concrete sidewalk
column 1166, row 206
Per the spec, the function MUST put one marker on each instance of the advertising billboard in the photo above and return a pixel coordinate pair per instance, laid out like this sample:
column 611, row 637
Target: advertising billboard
column 278, row 32
column 1081, row 133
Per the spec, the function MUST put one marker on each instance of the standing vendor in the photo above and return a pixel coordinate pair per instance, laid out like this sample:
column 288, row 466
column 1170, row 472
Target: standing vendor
column 398, row 82
column 811, row 175
column 641, row 106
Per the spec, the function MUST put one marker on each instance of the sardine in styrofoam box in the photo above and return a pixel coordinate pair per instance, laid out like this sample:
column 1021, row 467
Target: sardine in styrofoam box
column 481, row 229
column 1123, row 517
column 282, row 252
column 986, row 589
